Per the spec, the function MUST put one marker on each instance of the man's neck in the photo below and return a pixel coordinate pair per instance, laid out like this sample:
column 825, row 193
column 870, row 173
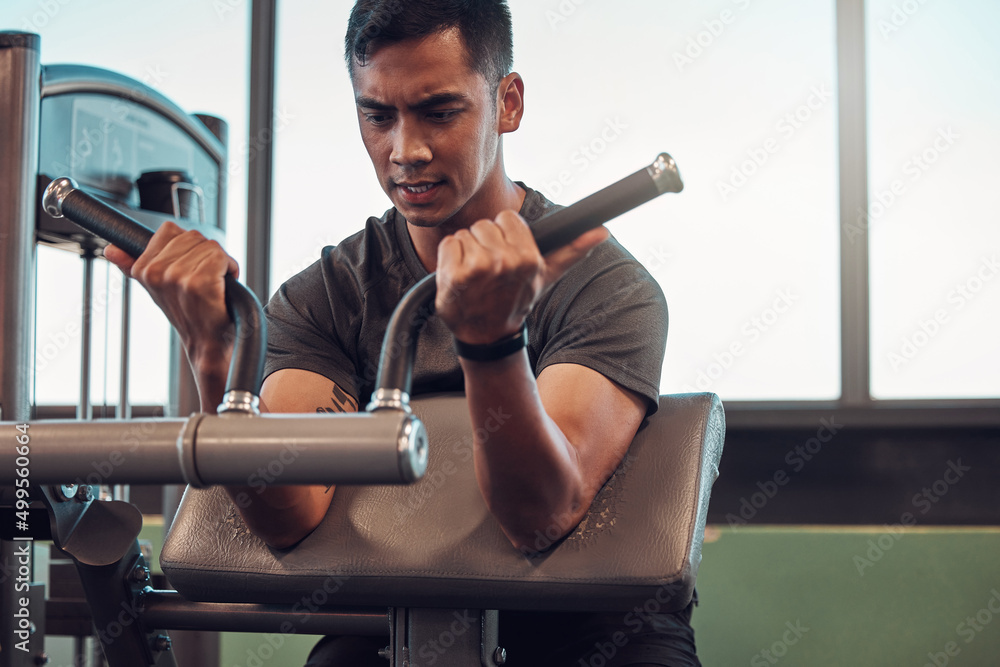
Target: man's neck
column 509, row 196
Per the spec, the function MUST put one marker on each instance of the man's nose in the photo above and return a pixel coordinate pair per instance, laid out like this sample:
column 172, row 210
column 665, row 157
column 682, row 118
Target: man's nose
column 410, row 145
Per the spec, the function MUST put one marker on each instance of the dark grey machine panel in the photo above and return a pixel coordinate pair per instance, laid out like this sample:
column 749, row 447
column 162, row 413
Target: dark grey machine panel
column 105, row 130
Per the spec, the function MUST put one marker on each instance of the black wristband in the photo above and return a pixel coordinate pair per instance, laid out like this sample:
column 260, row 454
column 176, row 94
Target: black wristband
column 496, row 350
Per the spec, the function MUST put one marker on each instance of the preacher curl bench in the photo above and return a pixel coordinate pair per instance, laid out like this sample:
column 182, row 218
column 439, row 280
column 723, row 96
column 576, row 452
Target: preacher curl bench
column 408, row 548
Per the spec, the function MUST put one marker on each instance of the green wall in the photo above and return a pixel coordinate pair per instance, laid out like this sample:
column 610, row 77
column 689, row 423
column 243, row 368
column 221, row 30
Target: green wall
column 856, row 596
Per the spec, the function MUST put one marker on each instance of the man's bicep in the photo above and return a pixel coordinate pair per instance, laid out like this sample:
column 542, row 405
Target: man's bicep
column 597, row 415
column 297, row 390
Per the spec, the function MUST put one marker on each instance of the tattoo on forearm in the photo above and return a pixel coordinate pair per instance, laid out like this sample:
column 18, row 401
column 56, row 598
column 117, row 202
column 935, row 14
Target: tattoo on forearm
column 341, row 402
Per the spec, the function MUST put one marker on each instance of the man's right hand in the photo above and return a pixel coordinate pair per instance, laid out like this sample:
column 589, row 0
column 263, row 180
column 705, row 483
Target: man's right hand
column 184, row 273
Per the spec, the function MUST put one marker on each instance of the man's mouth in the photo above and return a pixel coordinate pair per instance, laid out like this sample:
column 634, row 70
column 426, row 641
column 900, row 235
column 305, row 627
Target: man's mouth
column 420, row 192
column 419, row 188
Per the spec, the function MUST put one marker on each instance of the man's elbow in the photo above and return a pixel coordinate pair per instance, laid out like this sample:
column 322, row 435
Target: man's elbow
column 280, row 534
column 532, row 532
column 284, row 540
column 286, row 516
column 537, row 541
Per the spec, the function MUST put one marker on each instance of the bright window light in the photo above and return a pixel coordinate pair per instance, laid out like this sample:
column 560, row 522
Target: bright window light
column 742, row 94
column 933, row 208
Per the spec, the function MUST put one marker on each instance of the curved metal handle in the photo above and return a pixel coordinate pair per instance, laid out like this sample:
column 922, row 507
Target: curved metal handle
column 63, row 198
column 395, row 373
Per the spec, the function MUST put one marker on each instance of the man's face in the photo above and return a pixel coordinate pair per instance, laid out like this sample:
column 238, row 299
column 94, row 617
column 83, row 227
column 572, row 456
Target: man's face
column 429, row 123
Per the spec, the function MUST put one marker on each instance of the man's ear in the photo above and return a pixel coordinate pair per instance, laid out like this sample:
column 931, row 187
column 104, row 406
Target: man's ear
column 510, row 102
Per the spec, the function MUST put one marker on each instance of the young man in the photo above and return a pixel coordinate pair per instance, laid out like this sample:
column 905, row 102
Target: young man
column 435, row 94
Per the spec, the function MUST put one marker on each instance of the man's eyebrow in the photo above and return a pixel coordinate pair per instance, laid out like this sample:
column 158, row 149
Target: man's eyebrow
column 372, row 103
column 439, row 99
column 428, row 102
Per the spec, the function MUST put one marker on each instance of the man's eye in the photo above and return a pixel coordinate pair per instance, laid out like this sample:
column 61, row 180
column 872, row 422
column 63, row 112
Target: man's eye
column 442, row 116
column 377, row 118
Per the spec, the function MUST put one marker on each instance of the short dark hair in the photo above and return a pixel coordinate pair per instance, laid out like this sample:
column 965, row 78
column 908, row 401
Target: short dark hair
column 485, row 27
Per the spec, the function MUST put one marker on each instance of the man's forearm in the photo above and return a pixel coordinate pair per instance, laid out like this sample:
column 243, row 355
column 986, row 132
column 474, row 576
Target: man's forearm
column 284, row 515
column 209, row 363
column 279, row 515
column 526, row 467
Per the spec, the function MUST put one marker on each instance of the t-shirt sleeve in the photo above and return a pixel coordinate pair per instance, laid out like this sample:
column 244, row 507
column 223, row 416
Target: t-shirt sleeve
column 302, row 334
column 608, row 314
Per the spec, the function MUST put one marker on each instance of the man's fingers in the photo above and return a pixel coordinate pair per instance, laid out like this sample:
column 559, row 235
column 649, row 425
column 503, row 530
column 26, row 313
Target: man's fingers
column 490, row 275
column 450, row 252
column 487, row 233
column 175, row 251
column 234, row 268
column 119, row 258
column 516, row 231
column 162, row 237
column 204, row 267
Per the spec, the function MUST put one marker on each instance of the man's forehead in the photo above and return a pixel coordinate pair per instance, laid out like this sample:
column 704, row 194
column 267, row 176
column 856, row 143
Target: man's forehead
column 418, row 69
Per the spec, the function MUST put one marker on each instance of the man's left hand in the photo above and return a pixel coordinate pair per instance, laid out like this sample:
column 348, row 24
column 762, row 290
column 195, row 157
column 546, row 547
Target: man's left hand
column 490, row 275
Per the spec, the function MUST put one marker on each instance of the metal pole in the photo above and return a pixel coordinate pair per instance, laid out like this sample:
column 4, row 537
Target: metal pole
column 20, row 99
column 86, row 330
column 20, row 70
column 263, row 23
column 169, row 611
column 852, row 114
column 124, row 408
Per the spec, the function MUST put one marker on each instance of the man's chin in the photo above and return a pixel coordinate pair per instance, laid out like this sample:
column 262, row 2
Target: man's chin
column 422, row 217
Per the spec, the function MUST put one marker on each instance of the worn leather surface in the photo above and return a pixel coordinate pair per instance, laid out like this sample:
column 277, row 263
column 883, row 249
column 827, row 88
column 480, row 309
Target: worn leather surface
column 435, row 544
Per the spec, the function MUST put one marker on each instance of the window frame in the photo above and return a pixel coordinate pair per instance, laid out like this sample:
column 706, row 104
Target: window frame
column 855, row 407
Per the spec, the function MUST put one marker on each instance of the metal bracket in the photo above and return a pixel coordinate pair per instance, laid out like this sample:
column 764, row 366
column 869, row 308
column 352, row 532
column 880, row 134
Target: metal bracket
column 444, row 637
column 114, row 593
column 100, row 536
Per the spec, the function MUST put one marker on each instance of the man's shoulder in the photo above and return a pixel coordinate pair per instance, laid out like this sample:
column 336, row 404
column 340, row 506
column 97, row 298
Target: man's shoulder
column 369, row 253
column 377, row 234
column 352, row 264
column 535, row 205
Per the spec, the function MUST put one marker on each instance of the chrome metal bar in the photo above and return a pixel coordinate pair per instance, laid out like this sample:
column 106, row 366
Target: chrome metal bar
column 124, row 408
column 384, row 447
column 168, row 610
column 84, row 410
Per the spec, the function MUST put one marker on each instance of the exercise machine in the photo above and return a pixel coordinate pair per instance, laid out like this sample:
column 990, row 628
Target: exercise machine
column 637, row 550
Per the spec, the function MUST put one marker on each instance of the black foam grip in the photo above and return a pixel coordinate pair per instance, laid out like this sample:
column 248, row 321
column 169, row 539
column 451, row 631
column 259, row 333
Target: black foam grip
column 560, row 228
column 108, row 223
